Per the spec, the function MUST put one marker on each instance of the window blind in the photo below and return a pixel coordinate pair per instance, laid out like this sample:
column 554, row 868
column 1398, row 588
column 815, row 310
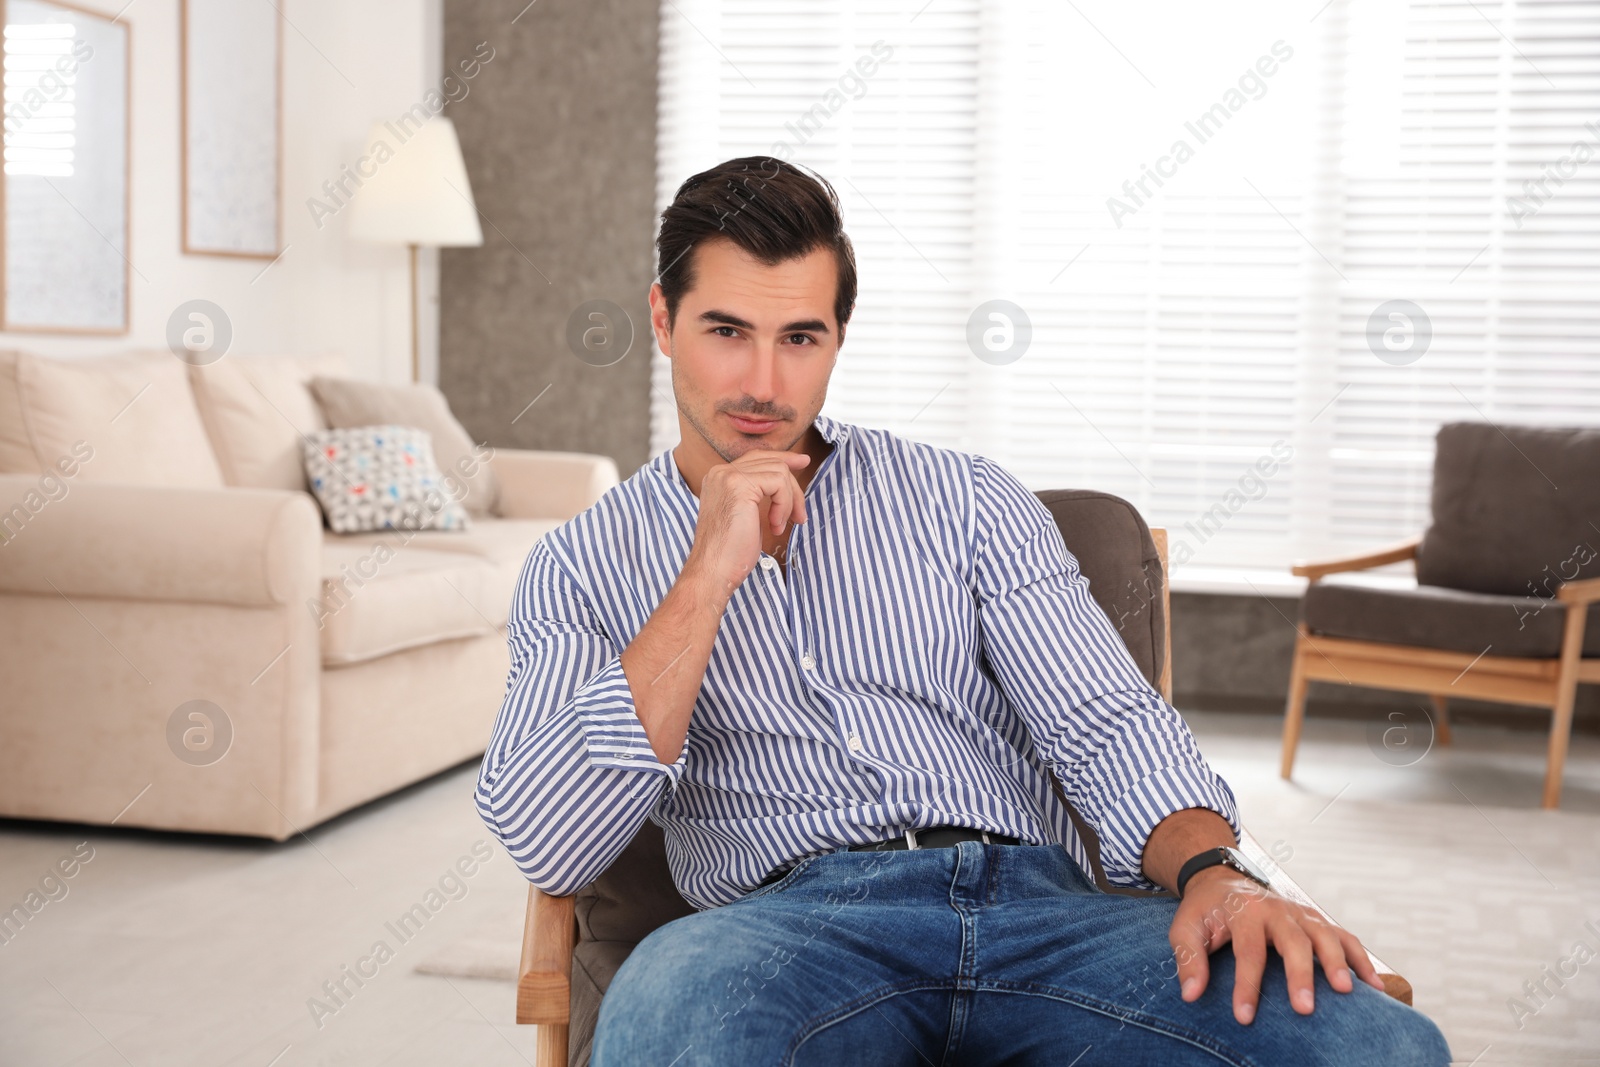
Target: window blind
column 1199, row 212
column 1471, row 189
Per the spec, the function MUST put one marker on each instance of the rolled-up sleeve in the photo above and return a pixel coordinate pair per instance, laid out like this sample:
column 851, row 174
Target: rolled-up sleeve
column 569, row 775
column 1123, row 755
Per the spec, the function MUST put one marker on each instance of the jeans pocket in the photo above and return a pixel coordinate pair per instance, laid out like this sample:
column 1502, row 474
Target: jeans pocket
column 787, row 880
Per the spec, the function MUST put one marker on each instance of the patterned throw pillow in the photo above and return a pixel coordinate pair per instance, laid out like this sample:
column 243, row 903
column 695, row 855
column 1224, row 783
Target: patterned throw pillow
column 379, row 478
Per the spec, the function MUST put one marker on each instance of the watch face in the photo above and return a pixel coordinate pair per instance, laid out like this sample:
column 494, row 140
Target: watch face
column 1240, row 862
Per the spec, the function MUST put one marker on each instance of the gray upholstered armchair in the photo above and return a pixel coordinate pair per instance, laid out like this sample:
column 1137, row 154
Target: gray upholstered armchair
column 573, row 946
column 1507, row 578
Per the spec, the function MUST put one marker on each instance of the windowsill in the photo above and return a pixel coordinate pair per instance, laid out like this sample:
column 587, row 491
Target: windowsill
column 1251, row 581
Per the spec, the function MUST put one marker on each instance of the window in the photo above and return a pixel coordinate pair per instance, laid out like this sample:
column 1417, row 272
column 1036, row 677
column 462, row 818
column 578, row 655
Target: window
column 40, row 101
column 1207, row 217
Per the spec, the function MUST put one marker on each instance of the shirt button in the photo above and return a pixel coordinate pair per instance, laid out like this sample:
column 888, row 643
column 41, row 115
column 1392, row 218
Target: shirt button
column 627, row 755
column 768, row 562
column 855, row 743
column 807, row 661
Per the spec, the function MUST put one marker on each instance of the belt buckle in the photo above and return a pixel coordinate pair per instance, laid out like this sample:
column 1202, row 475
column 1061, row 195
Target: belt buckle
column 985, row 834
column 911, row 840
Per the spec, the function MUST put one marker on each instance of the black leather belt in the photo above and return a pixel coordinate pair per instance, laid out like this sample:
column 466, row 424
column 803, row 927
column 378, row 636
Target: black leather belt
column 932, row 837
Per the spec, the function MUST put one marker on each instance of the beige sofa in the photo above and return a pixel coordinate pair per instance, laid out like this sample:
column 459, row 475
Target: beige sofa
column 158, row 548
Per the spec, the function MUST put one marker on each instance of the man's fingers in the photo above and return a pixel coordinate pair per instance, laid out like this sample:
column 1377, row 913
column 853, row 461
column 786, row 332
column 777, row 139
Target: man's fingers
column 799, row 510
column 1356, row 954
column 779, row 487
column 1296, row 949
column 1330, row 949
column 1250, row 962
column 1190, row 950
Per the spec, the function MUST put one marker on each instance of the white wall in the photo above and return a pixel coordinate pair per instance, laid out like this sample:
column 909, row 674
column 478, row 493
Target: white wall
column 345, row 64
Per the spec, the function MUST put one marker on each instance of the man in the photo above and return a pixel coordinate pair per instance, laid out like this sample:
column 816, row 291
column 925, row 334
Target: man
column 803, row 647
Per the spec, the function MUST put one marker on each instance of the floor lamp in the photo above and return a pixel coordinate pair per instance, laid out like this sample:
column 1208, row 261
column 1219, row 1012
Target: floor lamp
column 413, row 191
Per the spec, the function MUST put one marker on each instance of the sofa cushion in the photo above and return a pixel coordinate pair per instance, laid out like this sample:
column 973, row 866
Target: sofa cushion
column 379, row 478
column 16, row 449
column 503, row 543
column 1431, row 616
column 376, row 599
column 1516, row 509
column 134, row 411
column 255, row 408
column 349, row 402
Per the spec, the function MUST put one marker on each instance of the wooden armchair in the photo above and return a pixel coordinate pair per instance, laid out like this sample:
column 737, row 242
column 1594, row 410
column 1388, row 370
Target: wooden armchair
column 1500, row 611
column 1126, row 563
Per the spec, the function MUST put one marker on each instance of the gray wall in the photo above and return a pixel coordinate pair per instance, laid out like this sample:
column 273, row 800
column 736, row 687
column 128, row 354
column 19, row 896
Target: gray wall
column 559, row 136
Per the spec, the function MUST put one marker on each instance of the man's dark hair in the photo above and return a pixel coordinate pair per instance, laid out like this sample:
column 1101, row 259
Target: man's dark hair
column 766, row 206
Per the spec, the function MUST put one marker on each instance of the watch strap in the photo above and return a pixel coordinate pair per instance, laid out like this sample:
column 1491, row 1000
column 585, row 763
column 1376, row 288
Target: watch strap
column 1211, row 857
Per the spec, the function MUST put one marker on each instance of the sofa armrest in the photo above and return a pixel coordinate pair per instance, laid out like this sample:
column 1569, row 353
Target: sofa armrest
column 550, row 485
column 1405, row 550
column 245, row 547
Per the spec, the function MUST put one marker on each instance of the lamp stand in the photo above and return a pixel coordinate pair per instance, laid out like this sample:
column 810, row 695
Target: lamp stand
column 416, row 358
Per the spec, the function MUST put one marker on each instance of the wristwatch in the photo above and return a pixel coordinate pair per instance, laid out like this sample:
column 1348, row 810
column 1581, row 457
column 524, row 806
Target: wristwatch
column 1230, row 857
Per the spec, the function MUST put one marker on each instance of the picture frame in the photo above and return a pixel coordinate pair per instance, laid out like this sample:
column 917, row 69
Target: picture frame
column 65, row 191
column 231, row 136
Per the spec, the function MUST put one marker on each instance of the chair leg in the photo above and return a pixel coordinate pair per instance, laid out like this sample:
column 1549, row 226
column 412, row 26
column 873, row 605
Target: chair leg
column 550, row 1045
column 1294, row 713
column 1566, row 697
column 1441, row 718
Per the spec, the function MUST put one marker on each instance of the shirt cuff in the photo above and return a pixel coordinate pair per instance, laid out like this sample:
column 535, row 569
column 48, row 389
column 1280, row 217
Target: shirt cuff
column 1132, row 817
column 612, row 732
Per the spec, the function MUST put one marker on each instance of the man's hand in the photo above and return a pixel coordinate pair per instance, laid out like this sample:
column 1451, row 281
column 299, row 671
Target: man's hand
column 1221, row 905
column 666, row 660
column 739, row 502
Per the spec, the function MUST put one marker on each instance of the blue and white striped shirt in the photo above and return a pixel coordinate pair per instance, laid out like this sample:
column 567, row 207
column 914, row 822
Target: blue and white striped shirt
column 931, row 657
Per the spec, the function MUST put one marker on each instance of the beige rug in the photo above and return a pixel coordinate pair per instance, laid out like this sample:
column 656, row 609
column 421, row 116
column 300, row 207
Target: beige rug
column 1467, row 902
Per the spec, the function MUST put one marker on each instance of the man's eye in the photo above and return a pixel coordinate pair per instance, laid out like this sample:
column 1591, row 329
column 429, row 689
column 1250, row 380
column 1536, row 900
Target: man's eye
column 806, row 338
column 719, row 333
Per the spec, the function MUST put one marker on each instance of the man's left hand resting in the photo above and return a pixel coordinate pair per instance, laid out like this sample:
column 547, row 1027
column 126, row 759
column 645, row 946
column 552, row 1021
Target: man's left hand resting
column 1220, row 905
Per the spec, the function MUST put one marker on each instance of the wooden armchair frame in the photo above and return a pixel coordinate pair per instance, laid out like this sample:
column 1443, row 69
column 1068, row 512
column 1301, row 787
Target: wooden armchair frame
column 1441, row 674
column 550, row 932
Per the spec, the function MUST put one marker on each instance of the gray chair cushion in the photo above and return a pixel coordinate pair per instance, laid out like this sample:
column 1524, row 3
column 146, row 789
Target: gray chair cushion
column 1115, row 552
column 1516, row 509
column 1430, row 616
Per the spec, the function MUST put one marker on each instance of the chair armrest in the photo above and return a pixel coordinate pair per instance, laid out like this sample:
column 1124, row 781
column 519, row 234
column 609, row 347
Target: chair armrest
column 1396, row 986
column 544, row 980
column 1393, row 554
column 247, row 547
column 1585, row 591
column 550, row 485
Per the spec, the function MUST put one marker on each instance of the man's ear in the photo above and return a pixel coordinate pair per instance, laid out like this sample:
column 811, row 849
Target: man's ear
column 659, row 320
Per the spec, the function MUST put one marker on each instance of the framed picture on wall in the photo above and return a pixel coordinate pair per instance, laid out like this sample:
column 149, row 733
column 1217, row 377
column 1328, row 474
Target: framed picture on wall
column 231, row 66
column 64, row 188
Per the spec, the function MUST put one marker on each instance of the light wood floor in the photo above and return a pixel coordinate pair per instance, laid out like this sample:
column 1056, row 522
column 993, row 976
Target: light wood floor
column 175, row 950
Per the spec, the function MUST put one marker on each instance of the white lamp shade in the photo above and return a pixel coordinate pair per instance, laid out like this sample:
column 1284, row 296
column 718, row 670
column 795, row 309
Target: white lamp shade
column 414, row 188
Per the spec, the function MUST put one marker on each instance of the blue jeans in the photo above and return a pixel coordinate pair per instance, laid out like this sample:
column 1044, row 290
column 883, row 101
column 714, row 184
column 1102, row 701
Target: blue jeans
column 972, row 954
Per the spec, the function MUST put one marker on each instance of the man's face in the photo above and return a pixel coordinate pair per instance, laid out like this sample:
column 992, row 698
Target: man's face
column 752, row 347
